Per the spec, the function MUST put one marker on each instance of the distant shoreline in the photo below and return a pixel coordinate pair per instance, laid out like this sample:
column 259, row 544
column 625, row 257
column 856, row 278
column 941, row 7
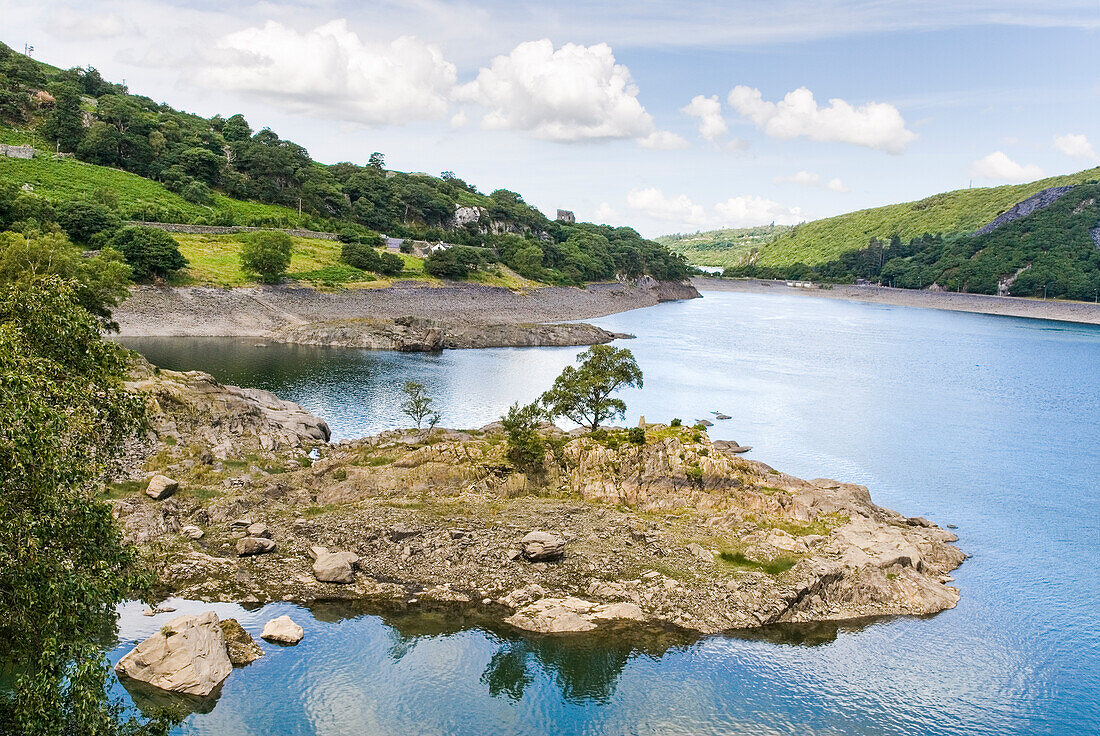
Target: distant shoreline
column 1008, row 306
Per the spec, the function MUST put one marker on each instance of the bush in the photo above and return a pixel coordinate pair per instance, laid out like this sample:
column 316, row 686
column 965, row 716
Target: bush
column 81, row 219
column 361, row 256
column 676, row 422
column 198, row 193
column 390, row 264
column 347, row 235
column 267, row 254
column 151, row 253
column 526, row 448
column 455, row 262
column 406, row 246
column 636, row 435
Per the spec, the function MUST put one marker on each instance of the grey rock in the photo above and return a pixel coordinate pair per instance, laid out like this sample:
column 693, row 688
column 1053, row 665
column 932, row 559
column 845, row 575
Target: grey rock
column 188, row 655
column 334, row 567
column 282, row 630
column 254, row 546
column 161, row 487
column 192, row 532
column 541, row 546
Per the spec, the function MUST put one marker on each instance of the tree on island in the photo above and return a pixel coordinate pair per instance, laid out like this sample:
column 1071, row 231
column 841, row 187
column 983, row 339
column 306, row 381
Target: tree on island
column 418, row 405
column 267, row 254
column 583, row 394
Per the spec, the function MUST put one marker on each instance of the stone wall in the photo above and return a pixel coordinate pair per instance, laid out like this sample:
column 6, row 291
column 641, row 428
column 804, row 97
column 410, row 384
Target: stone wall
column 174, row 227
column 16, row 151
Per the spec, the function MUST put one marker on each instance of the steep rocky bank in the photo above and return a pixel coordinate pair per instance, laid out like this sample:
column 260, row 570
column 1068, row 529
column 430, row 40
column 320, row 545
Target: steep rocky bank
column 467, row 315
column 678, row 531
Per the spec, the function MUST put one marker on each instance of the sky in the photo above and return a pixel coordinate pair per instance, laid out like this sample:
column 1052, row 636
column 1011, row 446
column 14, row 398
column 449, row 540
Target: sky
column 666, row 116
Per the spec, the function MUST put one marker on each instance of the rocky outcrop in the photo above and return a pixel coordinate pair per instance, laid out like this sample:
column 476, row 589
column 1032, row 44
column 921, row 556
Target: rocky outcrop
column 571, row 615
column 1037, row 201
column 541, row 546
column 239, row 644
column 411, row 334
column 282, row 630
column 188, row 655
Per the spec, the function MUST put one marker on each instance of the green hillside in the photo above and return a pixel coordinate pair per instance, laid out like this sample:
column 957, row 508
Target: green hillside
column 961, row 211
column 726, row 247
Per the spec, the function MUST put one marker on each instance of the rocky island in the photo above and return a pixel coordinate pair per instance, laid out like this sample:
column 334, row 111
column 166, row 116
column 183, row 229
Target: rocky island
column 675, row 531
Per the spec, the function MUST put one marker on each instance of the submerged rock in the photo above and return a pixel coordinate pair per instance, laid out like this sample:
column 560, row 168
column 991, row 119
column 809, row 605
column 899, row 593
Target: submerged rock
column 282, row 630
column 570, row 615
column 188, row 655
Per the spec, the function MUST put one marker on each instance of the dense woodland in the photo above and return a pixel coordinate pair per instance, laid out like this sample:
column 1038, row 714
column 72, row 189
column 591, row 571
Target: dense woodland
column 1052, row 252
column 77, row 112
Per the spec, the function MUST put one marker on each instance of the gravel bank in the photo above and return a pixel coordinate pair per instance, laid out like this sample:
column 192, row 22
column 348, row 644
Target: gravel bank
column 258, row 311
column 1008, row 306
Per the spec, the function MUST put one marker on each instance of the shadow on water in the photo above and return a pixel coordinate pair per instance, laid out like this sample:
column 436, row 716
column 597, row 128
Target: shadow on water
column 154, row 702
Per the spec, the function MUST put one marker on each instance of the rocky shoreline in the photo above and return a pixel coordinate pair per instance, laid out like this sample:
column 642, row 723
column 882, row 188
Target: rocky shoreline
column 677, row 532
column 405, row 316
column 1007, row 306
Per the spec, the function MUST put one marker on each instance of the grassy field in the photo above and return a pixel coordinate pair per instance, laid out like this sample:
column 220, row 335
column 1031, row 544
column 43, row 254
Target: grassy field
column 215, row 260
column 139, row 198
column 721, row 247
column 812, row 243
column 961, row 211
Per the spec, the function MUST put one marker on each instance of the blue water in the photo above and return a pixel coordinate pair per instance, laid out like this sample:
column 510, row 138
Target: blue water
column 990, row 423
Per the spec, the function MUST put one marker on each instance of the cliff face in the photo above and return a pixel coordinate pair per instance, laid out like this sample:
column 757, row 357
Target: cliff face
column 1038, row 201
column 677, row 530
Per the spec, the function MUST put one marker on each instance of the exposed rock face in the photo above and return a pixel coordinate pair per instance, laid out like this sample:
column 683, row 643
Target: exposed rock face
column 333, row 567
column 188, row 655
column 161, row 487
column 1038, row 201
column 282, row 630
column 415, row 335
column 690, row 532
column 192, row 532
column 468, row 215
column 240, row 646
column 540, row 546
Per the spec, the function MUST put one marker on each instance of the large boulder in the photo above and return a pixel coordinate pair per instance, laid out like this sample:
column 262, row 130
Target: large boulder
column 254, row 546
column 161, row 487
column 239, row 644
column 571, row 615
column 282, row 630
column 541, row 546
column 188, row 655
column 333, row 567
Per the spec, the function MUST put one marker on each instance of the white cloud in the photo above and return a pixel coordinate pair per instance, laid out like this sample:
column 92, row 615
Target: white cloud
column 999, row 167
column 802, row 178
column 458, row 119
column 331, row 72
column 1075, row 146
column 655, row 204
column 811, row 179
column 739, row 145
column 750, row 210
column 663, row 140
column 64, row 22
column 572, row 94
column 708, row 111
column 682, row 212
column 876, row 125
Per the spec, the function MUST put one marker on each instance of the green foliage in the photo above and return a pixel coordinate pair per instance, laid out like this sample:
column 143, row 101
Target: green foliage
column 151, row 252
column 676, row 422
column 636, row 435
column 772, row 567
column 526, row 446
column 455, row 262
column 99, row 283
column 366, row 258
column 267, row 254
column 584, row 394
column 726, row 247
column 1050, row 252
column 82, row 219
column 418, row 405
column 64, row 415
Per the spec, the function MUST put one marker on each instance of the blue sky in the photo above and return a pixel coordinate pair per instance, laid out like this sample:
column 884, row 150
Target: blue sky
column 589, row 106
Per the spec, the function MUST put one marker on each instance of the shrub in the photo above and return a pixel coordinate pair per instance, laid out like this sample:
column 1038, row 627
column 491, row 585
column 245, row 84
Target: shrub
column 636, row 435
column 198, row 193
column 390, row 264
column 406, row 246
column 81, row 219
column 151, row 253
column 676, row 422
column 267, row 255
column 526, row 447
column 361, row 256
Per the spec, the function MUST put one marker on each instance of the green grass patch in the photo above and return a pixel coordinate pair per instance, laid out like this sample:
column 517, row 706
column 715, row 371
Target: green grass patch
column 200, row 494
column 122, row 489
column 772, row 567
column 316, row 510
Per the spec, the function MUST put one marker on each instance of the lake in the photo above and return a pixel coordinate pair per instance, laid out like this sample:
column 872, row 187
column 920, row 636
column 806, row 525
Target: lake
column 989, row 423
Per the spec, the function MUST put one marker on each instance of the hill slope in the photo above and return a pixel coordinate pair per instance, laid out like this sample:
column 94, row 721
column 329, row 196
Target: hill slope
column 726, row 247
column 821, row 241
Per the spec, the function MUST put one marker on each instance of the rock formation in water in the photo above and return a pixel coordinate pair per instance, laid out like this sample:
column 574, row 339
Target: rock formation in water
column 188, row 655
column 676, row 531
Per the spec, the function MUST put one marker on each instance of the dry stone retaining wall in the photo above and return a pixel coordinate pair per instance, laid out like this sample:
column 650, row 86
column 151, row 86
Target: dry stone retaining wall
column 174, row 227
